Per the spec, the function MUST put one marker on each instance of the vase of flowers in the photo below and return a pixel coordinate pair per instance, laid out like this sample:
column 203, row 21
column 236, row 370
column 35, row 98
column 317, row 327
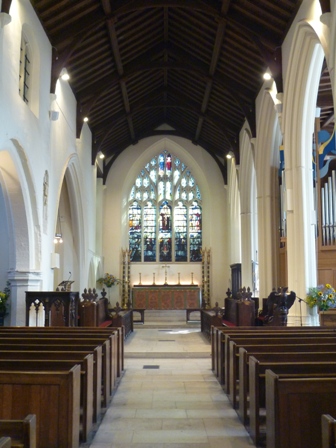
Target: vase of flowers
column 108, row 280
column 323, row 297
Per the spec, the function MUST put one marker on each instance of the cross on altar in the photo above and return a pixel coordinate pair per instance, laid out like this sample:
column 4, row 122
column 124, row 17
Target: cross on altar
column 165, row 266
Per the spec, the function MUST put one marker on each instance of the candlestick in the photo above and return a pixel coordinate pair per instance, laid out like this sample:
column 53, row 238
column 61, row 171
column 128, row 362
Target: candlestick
column 192, row 278
column 178, row 276
column 153, row 278
column 139, row 278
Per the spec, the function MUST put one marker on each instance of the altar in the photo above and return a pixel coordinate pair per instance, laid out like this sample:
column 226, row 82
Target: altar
column 166, row 297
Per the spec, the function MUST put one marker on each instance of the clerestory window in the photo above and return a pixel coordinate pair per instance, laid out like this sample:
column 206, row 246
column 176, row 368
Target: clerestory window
column 24, row 74
column 165, row 213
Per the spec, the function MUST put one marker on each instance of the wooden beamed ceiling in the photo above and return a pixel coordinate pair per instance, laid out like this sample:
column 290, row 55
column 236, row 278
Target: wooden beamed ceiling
column 193, row 66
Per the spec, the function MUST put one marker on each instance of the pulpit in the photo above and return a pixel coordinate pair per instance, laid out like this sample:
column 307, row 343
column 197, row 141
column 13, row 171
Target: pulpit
column 166, row 297
column 52, row 308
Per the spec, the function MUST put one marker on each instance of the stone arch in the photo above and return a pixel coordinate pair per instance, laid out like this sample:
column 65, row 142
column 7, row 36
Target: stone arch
column 305, row 64
column 74, row 226
column 269, row 139
column 20, row 228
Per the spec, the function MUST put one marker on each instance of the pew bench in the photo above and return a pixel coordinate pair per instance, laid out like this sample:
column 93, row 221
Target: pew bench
column 232, row 369
column 54, row 397
column 328, row 424
column 276, row 355
column 309, row 369
column 232, row 344
column 86, row 382
column 20, row 432
column 6, row 442
column 218, row 341
column 77, row 331
column 294, row 407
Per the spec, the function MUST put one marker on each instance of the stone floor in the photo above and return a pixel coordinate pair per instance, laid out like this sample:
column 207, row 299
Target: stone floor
column 168, row 395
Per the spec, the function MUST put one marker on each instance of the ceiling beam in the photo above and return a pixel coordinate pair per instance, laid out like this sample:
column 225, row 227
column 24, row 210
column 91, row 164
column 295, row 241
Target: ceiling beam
column 213, row 65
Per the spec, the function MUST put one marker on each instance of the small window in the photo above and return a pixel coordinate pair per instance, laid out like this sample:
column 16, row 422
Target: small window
column 24, row 75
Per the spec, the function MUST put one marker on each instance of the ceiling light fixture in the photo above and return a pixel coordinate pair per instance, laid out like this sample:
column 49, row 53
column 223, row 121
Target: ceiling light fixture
column 58, row 235
column 64, row 75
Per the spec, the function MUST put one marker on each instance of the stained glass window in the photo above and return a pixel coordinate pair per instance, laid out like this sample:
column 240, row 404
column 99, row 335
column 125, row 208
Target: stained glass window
column 165, row 213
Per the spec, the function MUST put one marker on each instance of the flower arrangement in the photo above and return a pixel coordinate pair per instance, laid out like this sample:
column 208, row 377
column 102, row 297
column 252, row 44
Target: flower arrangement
column 108, row 280
column 322, row 296
column 4, row 296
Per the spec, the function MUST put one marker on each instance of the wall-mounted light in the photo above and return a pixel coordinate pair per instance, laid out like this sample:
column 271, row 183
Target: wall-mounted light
column 101, row 155
column 230, row 155
column 86, row 119
column 53, row 115
column 64, row 75
column 58, row 235
column 267, row 76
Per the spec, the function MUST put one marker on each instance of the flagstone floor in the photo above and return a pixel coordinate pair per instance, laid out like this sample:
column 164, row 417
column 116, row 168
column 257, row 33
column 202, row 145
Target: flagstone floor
column 168, row 396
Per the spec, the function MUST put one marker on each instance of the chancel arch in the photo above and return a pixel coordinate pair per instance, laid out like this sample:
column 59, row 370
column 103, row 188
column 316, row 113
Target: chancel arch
column 210, row 182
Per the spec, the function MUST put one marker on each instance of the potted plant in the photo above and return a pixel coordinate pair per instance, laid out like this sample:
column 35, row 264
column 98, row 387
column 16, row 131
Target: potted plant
column 4, row 296
column 323, row 298
column 108, row 280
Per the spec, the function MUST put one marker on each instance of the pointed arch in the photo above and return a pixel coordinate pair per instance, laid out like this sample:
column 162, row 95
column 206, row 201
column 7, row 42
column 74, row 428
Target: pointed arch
column 305, row 63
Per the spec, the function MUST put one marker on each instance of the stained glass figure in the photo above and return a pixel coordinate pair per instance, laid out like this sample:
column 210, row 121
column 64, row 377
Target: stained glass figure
column 180, row 225
column 134, row 219
column 165, row 247
column 149, row 236
column 168, row 164
column 161, row 164
column 195, row 232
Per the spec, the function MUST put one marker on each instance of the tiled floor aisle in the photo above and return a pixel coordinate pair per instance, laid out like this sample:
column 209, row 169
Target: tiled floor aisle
column 171, row 399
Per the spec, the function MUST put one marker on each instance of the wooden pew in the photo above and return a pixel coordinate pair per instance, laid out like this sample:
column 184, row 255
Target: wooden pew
column 20, row 432
column 276, row 353
column 66, row 344
column 328, row 424
column 96, row 350
column 218, row 341
column 54, row 397
column 86, row 389
column 5, row 442
column 283, row 369
column 294, row 407
column 86, row 331
column 233, row 375
column 233, row 343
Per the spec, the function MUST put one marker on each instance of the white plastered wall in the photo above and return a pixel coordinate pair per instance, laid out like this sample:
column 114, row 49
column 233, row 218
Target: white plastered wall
column 31, row 145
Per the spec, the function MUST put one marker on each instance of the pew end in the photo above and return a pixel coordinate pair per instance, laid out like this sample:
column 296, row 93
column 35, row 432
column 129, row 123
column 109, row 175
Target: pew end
column 19, row 432
column 5, row 442
column 328, row 431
